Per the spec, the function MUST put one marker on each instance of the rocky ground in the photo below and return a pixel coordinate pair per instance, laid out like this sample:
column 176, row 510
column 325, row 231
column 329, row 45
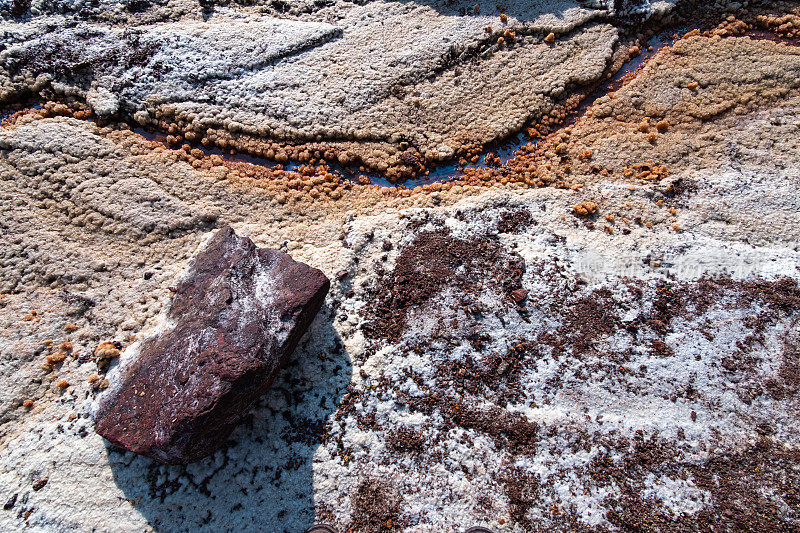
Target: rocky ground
column 599, row 334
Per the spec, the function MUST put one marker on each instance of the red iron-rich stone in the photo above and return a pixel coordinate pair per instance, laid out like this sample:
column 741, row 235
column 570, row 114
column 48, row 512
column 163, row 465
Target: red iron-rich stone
column 234, row 320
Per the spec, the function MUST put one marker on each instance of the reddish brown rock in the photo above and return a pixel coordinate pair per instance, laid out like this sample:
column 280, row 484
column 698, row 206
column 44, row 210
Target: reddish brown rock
column 519, row 296
column 234, row 320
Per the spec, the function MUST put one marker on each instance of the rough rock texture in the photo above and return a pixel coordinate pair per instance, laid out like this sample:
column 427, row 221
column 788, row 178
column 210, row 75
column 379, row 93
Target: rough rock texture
column 235, row 318
column 647, row 381
column 372, row 81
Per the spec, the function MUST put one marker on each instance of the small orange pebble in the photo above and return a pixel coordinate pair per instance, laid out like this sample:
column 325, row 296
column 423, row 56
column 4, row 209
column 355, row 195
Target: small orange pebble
column 106, row 350
column 98, row 383
column 66, row 346
column 651, row 137
column 32, row 315
column 63, row 384
column 70, row 327
column 27, row 404
column 660, row 203
column 500, row 40
column 644, row 126
column 503, row 18
column 56, row 357
column 488, row 29
column 584, row 209
column 550, row 39
column 673, row 211
column 585, row 156
column 676, row 227
column 610, row 218
column 662, row 125
column 634, row 51
column 648, row 224
column 72, row 416
column 693, row 86
column 608, row 229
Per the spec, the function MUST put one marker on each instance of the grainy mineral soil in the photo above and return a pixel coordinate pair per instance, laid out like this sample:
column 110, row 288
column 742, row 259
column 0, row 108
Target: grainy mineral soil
column 599, row 335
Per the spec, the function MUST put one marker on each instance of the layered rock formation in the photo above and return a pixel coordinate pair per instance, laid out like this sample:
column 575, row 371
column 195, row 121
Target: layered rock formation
column 386, row 84
column 600, row 334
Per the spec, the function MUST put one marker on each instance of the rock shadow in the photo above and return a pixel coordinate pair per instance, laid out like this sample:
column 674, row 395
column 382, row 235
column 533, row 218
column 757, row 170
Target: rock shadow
column 263, row 479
